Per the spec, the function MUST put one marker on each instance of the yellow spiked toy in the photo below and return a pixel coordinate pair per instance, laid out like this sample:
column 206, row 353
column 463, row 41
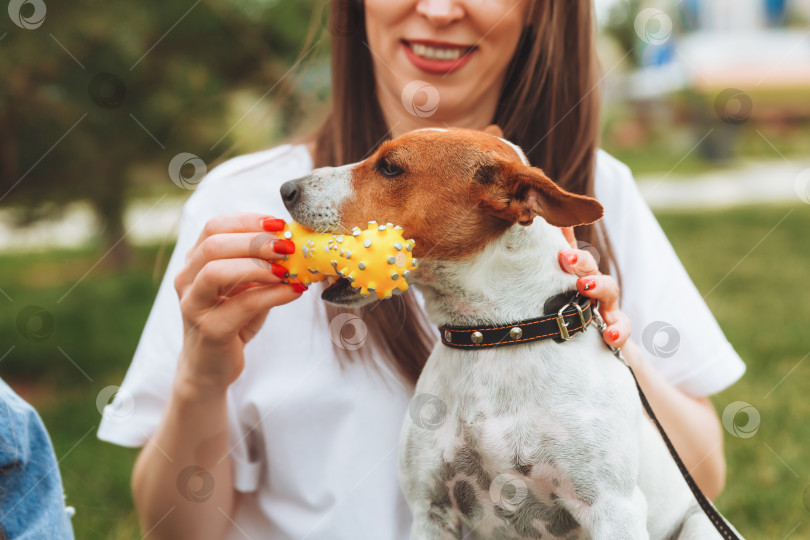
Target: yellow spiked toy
column 377, row 260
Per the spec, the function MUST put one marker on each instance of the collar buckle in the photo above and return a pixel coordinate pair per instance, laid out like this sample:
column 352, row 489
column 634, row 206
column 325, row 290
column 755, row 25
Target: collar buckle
column 562, row 325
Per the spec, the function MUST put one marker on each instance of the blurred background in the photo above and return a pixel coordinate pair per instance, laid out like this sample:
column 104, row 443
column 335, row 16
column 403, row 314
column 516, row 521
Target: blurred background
column 111, row 114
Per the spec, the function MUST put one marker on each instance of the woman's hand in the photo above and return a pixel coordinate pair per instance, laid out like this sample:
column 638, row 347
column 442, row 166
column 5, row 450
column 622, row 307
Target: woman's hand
column 594, row 284
column 226, row 289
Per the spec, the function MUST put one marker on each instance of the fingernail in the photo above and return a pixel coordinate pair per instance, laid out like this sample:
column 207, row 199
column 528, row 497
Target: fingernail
column 297, row 287
column 272, row 224
column 614, row 335
column 570, row 257
column 279, row 271
column 587, row 284
column 283, row 247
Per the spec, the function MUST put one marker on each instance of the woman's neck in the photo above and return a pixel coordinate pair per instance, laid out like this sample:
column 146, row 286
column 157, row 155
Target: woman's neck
column 401, row 121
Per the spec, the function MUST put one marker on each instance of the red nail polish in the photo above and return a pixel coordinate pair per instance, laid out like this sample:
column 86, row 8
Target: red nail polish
column 614, row 335
column 279, row 271
column 272, row 224
column 587, row 284
column 283, row 247
column 297, row 287
column 570, row 257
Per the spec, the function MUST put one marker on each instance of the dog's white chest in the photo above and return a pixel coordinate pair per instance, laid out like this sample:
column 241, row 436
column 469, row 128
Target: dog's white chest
column 512, row 436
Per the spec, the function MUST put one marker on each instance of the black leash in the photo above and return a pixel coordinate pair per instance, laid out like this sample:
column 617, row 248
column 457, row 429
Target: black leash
column 725, row 530
column 574, row 317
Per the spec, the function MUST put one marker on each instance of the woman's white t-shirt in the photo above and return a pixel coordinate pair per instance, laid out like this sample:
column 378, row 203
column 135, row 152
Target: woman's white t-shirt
column 314, row 446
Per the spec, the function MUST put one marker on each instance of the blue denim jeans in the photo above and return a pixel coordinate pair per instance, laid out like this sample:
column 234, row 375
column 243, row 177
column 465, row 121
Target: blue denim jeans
column 32, row 501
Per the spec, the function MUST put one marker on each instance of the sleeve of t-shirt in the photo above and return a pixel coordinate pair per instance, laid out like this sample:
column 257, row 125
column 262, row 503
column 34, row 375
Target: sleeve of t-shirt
column 671, row 322
column 138, row 404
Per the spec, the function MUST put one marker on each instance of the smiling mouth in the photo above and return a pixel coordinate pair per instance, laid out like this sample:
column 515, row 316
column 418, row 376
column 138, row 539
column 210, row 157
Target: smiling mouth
column 437, row 53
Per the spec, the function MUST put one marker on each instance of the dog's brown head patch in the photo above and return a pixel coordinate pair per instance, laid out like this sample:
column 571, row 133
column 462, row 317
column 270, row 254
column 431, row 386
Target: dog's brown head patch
column 454, row 191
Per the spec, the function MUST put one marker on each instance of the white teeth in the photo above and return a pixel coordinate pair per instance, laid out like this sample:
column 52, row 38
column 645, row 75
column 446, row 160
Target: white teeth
column 435, row 53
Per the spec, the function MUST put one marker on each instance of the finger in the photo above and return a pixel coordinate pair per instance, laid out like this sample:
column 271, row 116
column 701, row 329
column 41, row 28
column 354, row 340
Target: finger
column 261, row 245
column 220, row 277
column 234, row 223
column 579, row 262
column 568, row 233
column 618, row 328
column 600, row 287
column 242, row 287
column 240, row 310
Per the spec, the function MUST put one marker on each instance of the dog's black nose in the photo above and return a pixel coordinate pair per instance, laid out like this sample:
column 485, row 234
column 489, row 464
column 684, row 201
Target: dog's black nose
column 290, row 194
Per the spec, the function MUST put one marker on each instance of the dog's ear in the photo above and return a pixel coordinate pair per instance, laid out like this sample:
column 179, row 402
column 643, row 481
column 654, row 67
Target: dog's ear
column 493, row 129
column 518, row 193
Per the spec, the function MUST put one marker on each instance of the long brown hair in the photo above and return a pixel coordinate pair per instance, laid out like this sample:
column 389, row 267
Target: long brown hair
column 549, row 106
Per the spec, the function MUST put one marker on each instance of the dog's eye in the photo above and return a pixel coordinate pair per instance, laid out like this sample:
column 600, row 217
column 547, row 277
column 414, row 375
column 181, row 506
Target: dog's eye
column 388, row 169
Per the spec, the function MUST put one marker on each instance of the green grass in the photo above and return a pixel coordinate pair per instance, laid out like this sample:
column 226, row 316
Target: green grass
column 671, row 144
column 96, row 324
column 660, row 157
column 753, row 264
column 753, row 271
column 679, row 154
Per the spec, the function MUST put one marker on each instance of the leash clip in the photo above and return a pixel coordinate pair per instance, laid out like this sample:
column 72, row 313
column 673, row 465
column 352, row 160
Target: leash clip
column 600, row 322
column 563, row 326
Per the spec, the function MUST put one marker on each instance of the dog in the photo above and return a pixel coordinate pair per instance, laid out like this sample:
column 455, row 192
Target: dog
column 539, row 440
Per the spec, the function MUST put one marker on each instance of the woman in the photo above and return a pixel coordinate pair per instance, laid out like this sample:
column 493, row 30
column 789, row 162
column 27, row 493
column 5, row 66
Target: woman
column 259, row 425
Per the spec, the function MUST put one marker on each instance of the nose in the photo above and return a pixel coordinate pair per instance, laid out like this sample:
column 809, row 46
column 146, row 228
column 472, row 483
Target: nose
column 440, row 12
column 290, row 194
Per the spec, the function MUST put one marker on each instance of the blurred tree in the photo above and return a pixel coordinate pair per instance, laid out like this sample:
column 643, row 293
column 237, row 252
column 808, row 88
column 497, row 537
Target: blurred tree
column 620, row 26
column 94, row 89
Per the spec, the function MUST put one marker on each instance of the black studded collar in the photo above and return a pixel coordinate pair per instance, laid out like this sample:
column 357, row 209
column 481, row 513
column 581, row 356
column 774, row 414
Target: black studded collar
column 560, row 325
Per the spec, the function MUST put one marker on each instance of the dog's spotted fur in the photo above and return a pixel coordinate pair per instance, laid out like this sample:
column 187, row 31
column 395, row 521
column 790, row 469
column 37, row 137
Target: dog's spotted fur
column 542, row 440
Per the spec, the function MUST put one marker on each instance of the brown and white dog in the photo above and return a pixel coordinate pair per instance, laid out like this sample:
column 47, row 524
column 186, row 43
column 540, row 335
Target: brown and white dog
column 542, row 440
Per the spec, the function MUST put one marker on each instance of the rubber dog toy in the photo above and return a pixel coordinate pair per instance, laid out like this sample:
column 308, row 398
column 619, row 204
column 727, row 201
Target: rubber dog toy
column 377, row 260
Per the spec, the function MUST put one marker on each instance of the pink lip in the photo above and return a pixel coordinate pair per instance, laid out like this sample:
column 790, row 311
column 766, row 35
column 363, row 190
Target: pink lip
column 437, row 67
